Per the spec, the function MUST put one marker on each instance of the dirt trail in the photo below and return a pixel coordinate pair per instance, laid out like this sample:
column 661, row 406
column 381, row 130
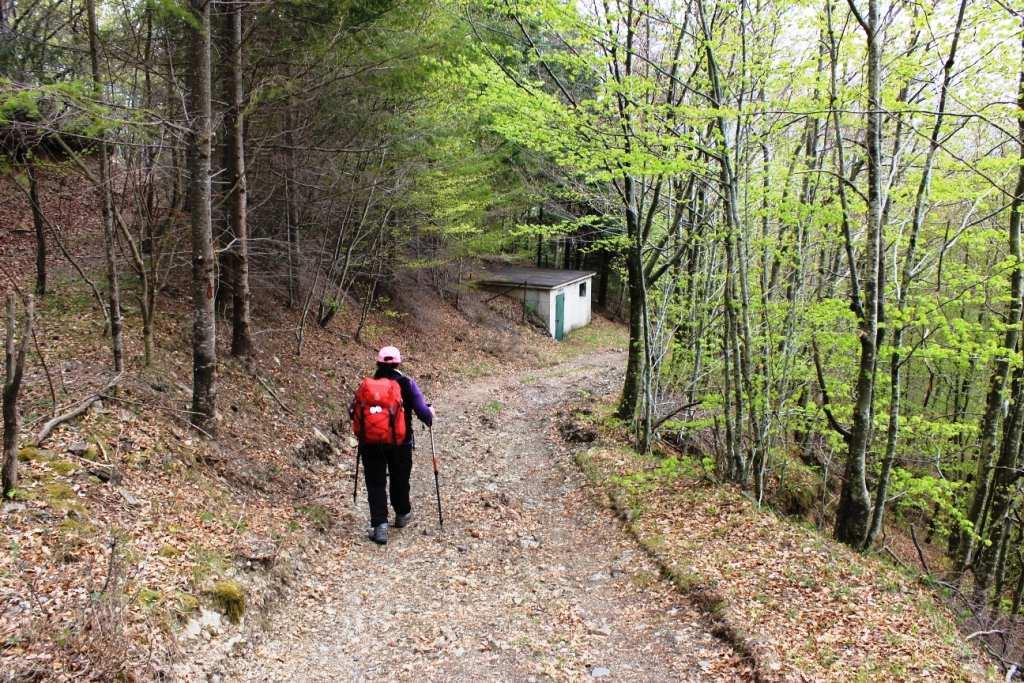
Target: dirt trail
column 530, row 580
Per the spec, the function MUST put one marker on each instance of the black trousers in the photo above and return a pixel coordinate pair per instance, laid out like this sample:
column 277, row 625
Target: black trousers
column 378, row 463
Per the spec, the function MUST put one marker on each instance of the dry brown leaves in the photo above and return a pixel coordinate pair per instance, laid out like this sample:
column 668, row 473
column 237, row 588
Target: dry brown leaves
column 808, row 608
column 186, row 507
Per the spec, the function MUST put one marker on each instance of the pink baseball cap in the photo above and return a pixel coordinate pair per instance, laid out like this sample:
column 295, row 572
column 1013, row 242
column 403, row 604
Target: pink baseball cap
column 389, row 354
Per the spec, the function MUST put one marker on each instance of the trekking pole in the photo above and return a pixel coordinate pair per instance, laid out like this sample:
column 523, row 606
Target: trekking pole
column 437, row 481
column 355, row 479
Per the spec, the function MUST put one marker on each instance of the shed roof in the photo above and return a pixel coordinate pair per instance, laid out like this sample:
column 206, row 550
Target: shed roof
column 533, row 278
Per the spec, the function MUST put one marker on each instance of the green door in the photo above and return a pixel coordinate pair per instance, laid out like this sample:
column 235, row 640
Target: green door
column 560, row 316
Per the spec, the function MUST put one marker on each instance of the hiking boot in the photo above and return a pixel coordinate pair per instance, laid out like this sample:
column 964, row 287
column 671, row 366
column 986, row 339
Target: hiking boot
column 403, row 520
column 379, row 534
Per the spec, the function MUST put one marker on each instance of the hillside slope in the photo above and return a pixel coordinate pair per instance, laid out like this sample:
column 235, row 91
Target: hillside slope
column 127, row 522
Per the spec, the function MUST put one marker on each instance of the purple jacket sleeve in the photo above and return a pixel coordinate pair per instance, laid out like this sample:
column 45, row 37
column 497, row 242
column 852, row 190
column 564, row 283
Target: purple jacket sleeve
column 419, row 404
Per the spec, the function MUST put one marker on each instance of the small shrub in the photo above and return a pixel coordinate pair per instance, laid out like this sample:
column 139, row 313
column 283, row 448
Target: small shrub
column 318, row 515
column 798, row 489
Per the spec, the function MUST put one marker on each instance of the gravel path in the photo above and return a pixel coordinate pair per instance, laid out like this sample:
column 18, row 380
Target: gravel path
column 530, row 579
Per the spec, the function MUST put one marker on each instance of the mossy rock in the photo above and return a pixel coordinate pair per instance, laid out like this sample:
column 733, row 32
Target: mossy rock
column 64, row 467
column 229, row 596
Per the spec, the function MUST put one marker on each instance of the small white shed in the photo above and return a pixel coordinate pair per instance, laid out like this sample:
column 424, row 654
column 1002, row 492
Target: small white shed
column 560, row 297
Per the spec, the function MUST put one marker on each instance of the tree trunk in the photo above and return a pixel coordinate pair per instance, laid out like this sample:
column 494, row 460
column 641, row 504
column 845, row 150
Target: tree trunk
column 1002, row 498
column 204, row 330
column 39, row 224
column 1018, row 591
column 14, row 365
column 1002, row 562
column 107, row 204
column 906, row 279
column 854, row 511
column 604, row 272
column 635, row 352
column 238, row 229
column 292, row 208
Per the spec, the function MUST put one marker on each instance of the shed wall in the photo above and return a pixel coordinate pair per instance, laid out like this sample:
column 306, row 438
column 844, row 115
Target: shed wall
column 577, row 306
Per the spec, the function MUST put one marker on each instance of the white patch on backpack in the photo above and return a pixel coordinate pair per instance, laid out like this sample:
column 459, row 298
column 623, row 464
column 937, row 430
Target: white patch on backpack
column 376, row 409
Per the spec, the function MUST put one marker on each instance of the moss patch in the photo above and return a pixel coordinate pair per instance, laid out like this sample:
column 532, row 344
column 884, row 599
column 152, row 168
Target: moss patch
column 58, row 491
column 33, row 454
column 64, row 467
column 148, row 597
column 208, row 563
column 22, row 495
column 183, row 604
column 229, row 596
column 168, row 551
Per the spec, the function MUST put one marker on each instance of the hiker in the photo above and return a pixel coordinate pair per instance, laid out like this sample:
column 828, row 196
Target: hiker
column 382, row 422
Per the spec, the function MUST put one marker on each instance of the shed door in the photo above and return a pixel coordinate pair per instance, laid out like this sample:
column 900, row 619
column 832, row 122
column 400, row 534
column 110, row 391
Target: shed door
column 560, row 316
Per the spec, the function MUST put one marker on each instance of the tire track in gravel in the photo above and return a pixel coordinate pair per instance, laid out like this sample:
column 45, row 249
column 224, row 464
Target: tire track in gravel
column 529, row 581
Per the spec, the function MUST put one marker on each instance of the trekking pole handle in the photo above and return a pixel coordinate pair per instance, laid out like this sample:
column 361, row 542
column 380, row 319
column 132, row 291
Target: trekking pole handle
column 433, row 451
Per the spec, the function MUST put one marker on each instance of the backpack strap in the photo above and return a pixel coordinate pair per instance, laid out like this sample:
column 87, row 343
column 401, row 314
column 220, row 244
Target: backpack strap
column 393, row 412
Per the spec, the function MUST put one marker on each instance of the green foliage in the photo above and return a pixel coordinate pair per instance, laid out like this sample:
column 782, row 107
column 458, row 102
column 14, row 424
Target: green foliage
column 923, row 492
column 641, row 482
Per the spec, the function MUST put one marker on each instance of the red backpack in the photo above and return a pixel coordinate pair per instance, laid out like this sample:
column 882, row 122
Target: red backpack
column 379, row 415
